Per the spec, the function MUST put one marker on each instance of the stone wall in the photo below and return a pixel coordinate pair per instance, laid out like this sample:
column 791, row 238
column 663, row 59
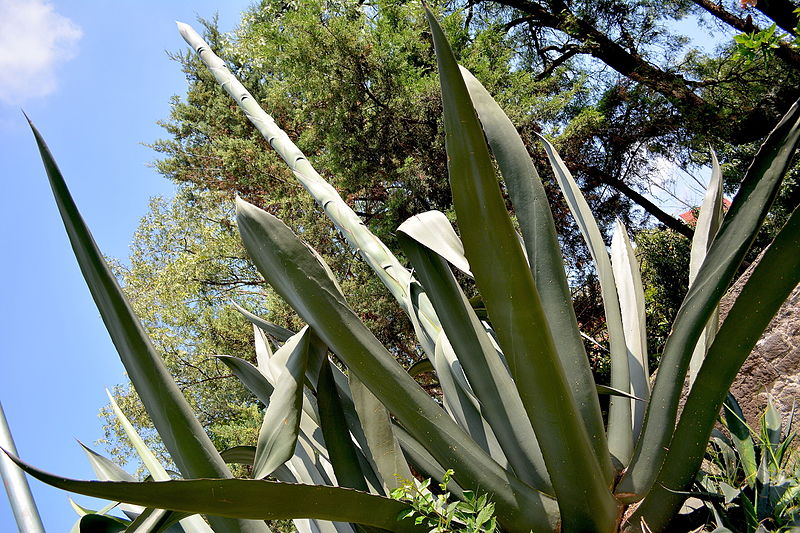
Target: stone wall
column 773, row 367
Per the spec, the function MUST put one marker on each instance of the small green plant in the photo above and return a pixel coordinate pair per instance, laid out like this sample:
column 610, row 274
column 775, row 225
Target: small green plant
column 750, row 45
column 757, row 472
column 444, row 513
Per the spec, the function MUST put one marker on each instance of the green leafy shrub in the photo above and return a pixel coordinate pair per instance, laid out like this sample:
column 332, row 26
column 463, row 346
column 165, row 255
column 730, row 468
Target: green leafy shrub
column 441, row 513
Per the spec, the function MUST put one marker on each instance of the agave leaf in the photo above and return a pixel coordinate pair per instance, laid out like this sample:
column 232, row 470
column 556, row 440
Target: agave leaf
column 421, row 311
column 278, row 435
column 488, row 376
column 182, row 434
column 620, row 430
column 631, row 303
column 611, row 391
column 542, row 249
column 83, row 511
column 385, row 265
column 432, row 229
column 708, row 223
column 244, row 498
column 462, row 404
column 771, row 425
column 342, row 451
column 296, row 275
column 515, row 309
column 250, row 376
column 708, row 220
column 420, row 367
column 747, row 212
column 149, row 460
column 256, row 382
column 151, row 520
column 280, row 333
column 383, row 452
column 243, row 455
column 772, row 280
column 108, row 471
column 105, row 469
column 95, row 523
column 263, row 350
column 740, row 433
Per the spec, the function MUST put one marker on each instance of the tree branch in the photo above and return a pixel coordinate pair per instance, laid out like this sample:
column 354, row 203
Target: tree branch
column 659, row 214
column 781, row 12
column 677, row 89
column 784, row 52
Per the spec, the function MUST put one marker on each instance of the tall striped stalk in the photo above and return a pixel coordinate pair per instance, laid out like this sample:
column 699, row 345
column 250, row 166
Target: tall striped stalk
column 17, row 489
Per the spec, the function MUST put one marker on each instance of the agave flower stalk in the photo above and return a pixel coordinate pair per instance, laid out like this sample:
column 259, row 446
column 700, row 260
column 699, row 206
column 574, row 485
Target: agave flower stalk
column 19, row 492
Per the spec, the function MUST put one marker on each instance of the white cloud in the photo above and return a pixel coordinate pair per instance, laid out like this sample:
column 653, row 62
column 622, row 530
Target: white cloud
column 34, row 41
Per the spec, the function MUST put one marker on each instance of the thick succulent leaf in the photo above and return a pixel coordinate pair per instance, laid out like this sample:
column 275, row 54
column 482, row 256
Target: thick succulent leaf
column 772, row 280
column 105, row 469
column 23, row 506
column 421, row 310
column 620, row 431
column 256, row 382
column 462, row 405
column 179, row 429
column 250, row 376
column 771, row 448
column 341, row 450
column 489, row 378
column 245, row 498
column 772, row 425
column 296, row 275
column 280, row 333
column 149, row 459
column 740, row 435
column 82, row 511
column 95, row 523
column 739, row 228
column 243, row 455
column 515, row 309
column 611, row 391
column 263, row 350
column 278, row 434
column 709, row 219
column 420, row 367
column 631, row 302
column 151, row 521
column 708, row 223
column 432, row 229
column 544, row 254
column 384, row 452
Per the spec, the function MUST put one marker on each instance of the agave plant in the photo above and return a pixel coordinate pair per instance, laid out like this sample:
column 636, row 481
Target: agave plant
column 756, row 471
column 521, row 420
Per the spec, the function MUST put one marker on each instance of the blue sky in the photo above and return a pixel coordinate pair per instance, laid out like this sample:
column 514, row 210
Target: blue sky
column 95, row 87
